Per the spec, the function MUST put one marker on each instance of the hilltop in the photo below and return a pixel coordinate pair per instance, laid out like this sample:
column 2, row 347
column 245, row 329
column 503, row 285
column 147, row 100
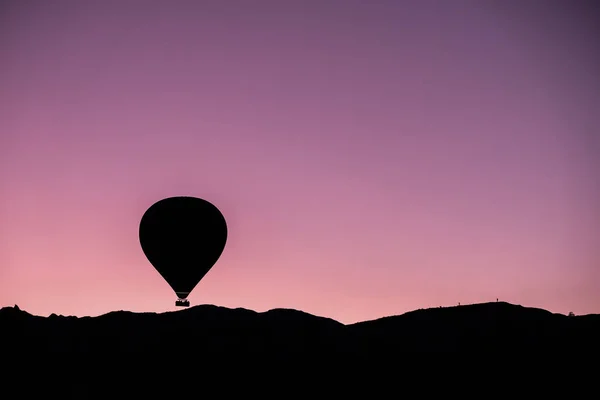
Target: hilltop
column 211, row 329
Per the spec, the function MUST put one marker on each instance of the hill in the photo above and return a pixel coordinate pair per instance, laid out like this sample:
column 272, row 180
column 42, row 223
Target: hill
column 208, row 329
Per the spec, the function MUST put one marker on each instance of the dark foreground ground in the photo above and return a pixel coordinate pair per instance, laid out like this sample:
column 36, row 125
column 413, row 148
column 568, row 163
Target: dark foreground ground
column 211, row 330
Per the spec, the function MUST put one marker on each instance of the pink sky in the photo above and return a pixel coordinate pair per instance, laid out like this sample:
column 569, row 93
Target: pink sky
column 370, row 157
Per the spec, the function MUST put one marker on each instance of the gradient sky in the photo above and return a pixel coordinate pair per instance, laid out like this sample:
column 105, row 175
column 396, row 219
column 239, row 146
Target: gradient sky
column 370, row 157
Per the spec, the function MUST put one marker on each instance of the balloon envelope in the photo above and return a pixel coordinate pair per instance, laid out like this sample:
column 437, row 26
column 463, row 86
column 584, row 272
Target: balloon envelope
column 183, row 237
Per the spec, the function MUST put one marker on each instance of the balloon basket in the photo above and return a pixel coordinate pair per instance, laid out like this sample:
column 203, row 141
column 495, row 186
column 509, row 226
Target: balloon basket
column 182, row 303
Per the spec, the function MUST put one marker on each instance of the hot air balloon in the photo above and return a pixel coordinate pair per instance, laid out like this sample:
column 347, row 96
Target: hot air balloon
column 183, row 237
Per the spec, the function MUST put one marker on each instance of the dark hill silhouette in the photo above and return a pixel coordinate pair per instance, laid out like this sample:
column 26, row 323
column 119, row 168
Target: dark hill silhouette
column 210, row 329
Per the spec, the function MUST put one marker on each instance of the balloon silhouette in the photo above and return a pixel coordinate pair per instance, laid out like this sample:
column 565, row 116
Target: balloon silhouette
column 183, row 237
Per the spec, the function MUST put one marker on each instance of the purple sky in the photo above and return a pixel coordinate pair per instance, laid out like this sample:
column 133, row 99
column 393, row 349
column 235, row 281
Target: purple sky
column 370, row 157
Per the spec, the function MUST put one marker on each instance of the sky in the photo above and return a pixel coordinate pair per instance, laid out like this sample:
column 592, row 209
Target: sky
column 370, row 158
